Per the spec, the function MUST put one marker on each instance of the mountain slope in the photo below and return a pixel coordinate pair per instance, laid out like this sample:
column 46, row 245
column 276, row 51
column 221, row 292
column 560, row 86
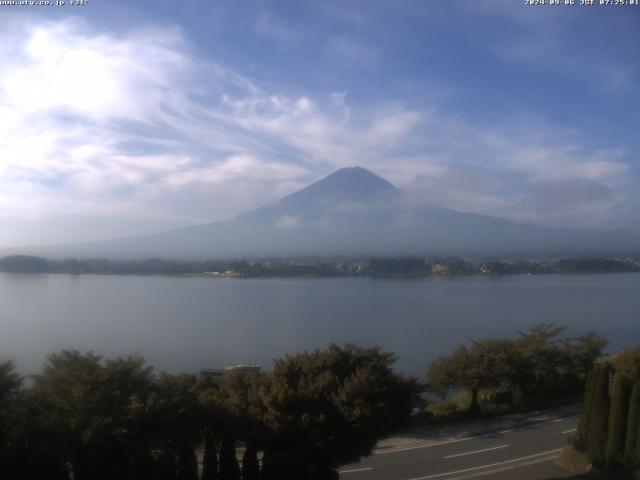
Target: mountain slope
column 350, row 212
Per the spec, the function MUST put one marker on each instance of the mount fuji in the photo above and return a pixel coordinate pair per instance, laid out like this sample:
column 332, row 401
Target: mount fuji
column 350, row 212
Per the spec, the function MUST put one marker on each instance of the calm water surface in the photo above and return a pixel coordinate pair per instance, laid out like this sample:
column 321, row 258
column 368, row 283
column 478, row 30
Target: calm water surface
column 184, row 324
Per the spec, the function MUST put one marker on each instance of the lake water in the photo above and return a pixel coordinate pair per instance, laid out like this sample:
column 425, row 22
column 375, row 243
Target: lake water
column 185, row 324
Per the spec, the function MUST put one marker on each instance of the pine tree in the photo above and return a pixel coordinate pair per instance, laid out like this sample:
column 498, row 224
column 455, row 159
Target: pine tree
column 229, row 469
column 210, row 460
column 618, row 415
column 632, row 442
column 599, row 418
column 250, row 465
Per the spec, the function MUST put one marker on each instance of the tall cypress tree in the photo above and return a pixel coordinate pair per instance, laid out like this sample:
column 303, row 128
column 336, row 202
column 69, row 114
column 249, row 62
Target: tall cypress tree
column 636, row 457
column 187, row 463
column 599, row 417
column 250, row 465
column 584, row 424
column 166, row 465
column 618, row 417
column 229, row 468
column 632, row 442
column 269, row 469
column 210, row 460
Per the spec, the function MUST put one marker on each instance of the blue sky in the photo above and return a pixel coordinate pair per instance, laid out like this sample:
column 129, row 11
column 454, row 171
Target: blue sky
column 122, row 118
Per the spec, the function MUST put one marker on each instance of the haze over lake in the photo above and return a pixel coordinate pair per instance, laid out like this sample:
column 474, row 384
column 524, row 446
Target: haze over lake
column 185, row 324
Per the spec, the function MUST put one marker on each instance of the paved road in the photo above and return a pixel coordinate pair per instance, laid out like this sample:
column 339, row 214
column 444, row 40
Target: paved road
column 514, row 446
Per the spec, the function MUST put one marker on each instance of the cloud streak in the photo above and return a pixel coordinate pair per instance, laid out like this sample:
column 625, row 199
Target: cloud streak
column 139, row 126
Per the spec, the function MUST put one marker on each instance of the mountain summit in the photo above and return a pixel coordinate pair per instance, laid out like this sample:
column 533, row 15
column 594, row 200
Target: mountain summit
column 355, row 184
column 353, row 211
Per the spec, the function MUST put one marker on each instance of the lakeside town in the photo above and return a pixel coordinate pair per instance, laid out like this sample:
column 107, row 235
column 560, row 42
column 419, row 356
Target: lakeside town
column 409, row 266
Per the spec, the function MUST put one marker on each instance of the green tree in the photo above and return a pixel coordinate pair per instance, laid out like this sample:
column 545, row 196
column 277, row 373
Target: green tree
column 233, row 409
column 542, row 358
column 10, row 428
column 636, row 459
column 229, row 468
column 165, row 465
column 618, row 415
column 187, row 464
column 210, row 459
column 327, row 408
column 487, row 364
column 587, row 410
column 628, row 363
column 599, row 418
column 173, row 418
column 83, row 404
column 538, row 365
column 10, row 387
column 632, row 441
column 577, row 359
column 449, row 372
column 250, row 464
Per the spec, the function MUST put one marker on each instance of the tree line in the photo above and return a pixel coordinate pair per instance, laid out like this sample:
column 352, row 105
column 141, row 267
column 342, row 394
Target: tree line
column 88, row 417
column 609, row 429
column 539, row 366
column 408, row 266
column 92, row 418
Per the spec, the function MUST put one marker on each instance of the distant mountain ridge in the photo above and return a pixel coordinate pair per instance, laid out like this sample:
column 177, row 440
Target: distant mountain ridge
column 350, row 212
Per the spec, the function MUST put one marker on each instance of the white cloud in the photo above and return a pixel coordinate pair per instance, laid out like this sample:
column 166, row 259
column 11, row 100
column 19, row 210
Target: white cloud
column 121, row 121
column 137, row 126
column 64, row 66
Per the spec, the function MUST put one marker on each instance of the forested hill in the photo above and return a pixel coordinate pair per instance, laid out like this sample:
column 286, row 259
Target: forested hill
column 24, row 264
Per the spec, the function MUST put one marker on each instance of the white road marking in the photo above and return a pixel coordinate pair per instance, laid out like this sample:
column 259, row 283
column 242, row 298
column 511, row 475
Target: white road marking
column 481, row 467
column 506, row 468
column 426, row 445
column 464, row 439
column 476, row 451
column 569, row 431
column 354, row 470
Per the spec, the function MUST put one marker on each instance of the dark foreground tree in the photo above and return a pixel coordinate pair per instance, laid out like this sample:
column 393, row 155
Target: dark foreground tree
column 585, row 422
column 165, row 465
column 174, row 420
column 10, row 422
column 210, row 459
column 618, row 416
column 599, row 418
column 80, row 413
column 328, row 408
column 632, row 441
column 229, row 468
column 250, row 464
column 10, row 386
column 187, row 463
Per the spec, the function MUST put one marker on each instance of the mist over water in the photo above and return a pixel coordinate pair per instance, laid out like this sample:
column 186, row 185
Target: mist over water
column 185, row 324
